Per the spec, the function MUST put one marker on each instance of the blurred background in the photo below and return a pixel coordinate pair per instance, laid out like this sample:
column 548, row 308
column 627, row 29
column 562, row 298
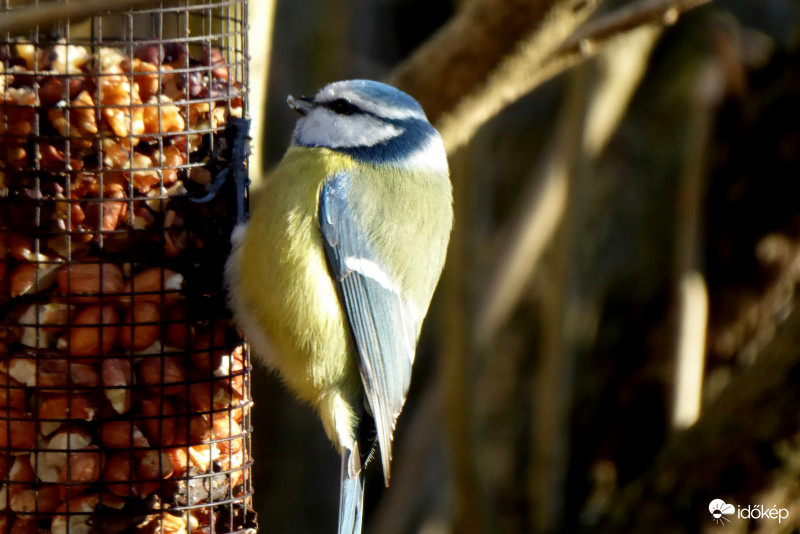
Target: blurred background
column 614, row 343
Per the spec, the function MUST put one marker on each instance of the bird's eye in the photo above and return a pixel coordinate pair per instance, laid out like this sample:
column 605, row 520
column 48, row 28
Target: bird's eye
column 341, row 106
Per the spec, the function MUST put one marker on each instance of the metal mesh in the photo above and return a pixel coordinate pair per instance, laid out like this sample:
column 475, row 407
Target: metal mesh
column 124, row 388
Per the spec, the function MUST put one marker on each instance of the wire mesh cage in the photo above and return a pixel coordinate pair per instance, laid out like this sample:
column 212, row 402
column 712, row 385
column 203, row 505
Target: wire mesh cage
column 124, row 389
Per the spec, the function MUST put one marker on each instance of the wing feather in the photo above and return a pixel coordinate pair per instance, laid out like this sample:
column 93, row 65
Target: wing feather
column 383, row 324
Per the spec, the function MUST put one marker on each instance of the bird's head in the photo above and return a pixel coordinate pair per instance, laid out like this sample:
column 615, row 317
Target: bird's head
column 371, row 121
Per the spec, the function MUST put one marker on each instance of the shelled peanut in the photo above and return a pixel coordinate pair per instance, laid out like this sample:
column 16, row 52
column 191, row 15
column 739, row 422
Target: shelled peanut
column 116, row 393
column 107, row 139
column 110, row 388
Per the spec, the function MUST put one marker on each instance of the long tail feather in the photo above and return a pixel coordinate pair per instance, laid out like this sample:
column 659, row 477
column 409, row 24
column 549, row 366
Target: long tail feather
column 351, row 496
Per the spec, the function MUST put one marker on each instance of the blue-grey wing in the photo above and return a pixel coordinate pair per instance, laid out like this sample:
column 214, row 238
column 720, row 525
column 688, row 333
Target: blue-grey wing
column 383, row 324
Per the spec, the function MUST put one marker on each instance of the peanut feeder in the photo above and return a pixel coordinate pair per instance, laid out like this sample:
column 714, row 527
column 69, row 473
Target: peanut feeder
column 124, row 388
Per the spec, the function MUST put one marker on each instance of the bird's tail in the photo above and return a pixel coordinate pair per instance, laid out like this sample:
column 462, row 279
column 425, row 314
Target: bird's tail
column 351, row 496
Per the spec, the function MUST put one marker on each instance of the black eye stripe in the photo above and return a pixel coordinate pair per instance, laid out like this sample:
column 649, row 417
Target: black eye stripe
column 341, row 106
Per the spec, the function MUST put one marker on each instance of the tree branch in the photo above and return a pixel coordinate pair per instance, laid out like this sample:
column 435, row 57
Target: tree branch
column 493, row 52
column 466, row 51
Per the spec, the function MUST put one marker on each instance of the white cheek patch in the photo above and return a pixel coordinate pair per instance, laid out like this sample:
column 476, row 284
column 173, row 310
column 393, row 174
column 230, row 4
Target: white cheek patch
column 322, row 127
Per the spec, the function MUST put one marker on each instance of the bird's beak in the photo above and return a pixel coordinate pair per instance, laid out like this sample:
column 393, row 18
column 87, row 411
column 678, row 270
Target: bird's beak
column 301, row 104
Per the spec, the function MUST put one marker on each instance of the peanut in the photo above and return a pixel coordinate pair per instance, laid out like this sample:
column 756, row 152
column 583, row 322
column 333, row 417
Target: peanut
column 17, row 430
column 179, row 330
column 23, row 525
column 45, row 500
column 163, row 373
column 12, row 393
column 151, row 468
column 158, row 422
column 94, row 331
column 208, row 351
column 31, row 278
column 117, row 380
column 156, row 284
column 78, row 520
column 141, row 326
column 60, row 409
column 85, row 281
column 62, row 373
column 81, row 470
column 117, row 474
column 122, row 435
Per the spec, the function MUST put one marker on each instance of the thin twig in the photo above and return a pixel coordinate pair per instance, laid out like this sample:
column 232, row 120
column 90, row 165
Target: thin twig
column 520, row 73
column 646, row 12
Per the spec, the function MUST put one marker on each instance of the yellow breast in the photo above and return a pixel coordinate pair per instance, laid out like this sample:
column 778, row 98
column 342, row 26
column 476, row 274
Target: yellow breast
column 281, row 291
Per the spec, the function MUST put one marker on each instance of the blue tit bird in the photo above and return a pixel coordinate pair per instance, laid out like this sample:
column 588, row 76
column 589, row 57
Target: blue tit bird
column 334, row 272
